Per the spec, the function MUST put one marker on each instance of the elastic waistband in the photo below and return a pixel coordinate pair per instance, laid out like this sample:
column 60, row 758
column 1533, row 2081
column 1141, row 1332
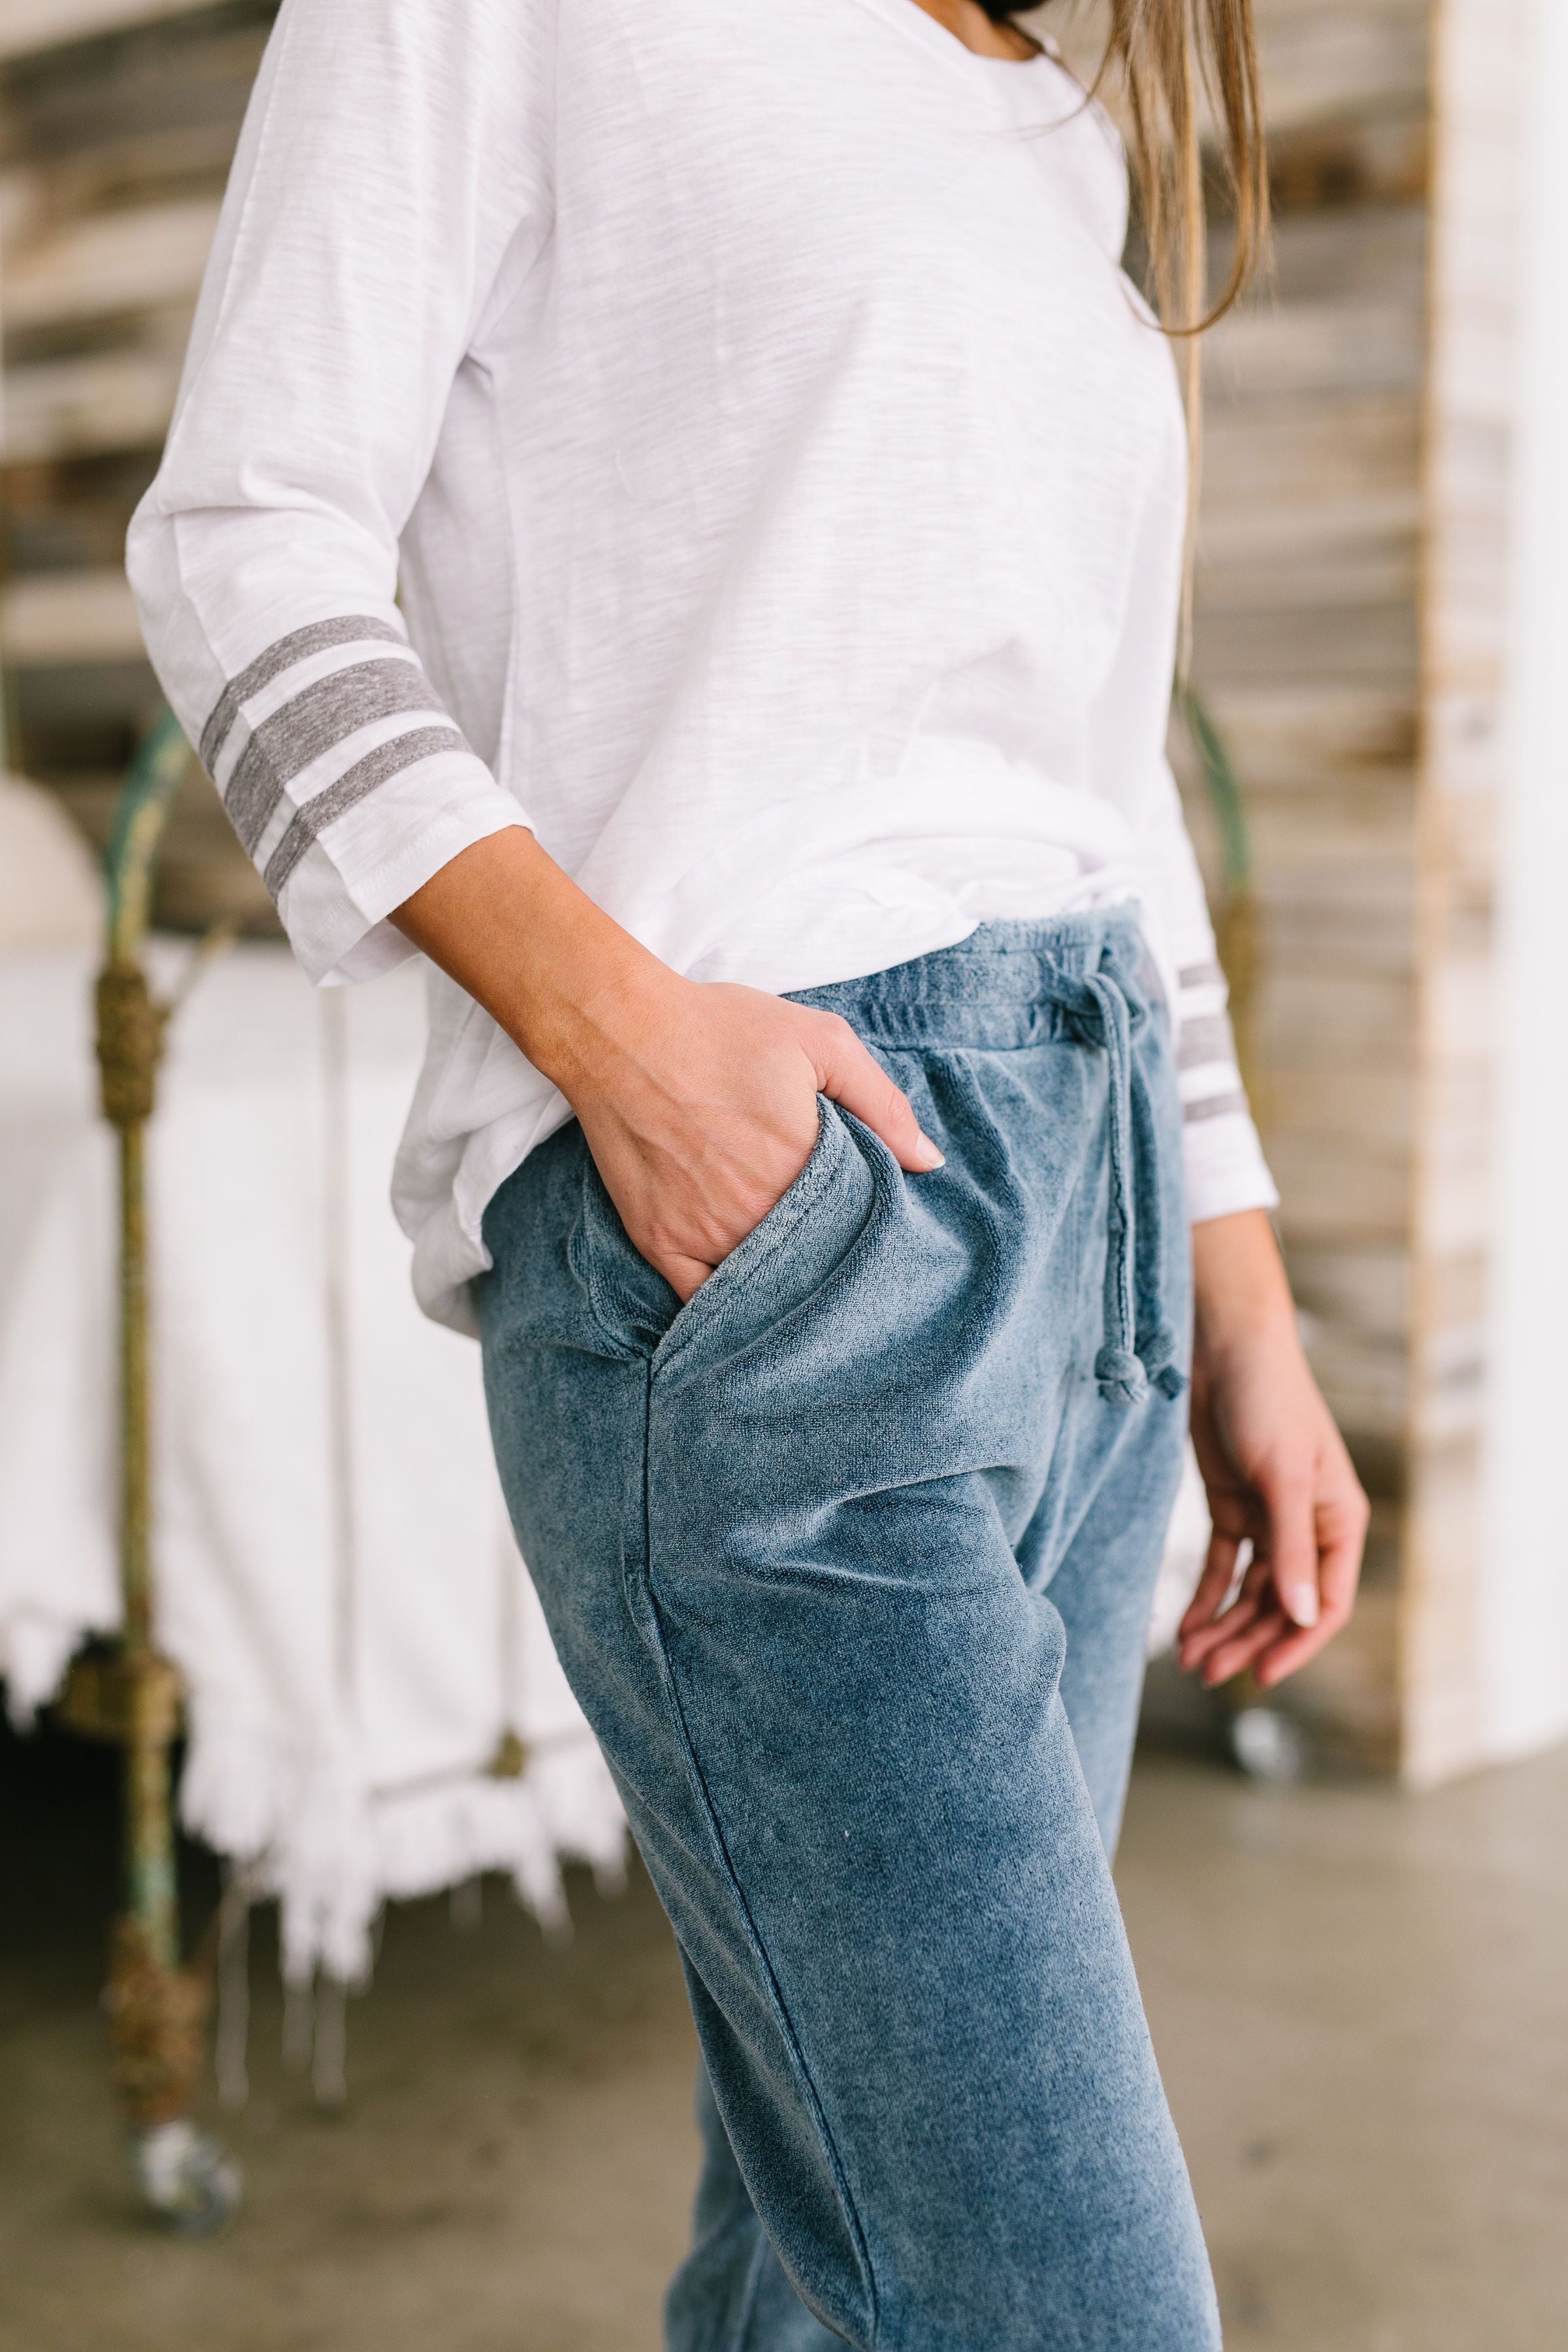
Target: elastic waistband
column 1006, row 985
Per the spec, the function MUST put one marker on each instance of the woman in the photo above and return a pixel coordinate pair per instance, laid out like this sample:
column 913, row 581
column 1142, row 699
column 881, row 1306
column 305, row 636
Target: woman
column 787, row 495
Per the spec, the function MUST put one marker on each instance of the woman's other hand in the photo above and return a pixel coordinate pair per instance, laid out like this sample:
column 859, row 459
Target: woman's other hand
column 1275, row 1467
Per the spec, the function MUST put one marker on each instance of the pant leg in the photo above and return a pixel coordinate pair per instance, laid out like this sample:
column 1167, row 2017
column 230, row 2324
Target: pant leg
column 1104, row 1589
column 731, row 2293
column 776, row 1548
column 1095, row 1542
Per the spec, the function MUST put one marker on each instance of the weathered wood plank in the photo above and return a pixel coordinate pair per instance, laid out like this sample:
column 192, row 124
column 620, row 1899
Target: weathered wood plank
column 109, row 399
column 1378, row 644
column 28, row 26
column 73, row 111
column 1324, row 1020
column 1328, row 58
column 1361, row 253
column 1441, row 1727
column 1365, row 1388
column 55, row 618
column 110, row 263
column 1356, row 343
column 1342, row 582
column 1276, row 449
column 1368, row 1115
column 1384, row 161
column 1365, row 1292
column 1324, row 1199
column 1293, row 737
column 1348, row 1695
column 1280, row 535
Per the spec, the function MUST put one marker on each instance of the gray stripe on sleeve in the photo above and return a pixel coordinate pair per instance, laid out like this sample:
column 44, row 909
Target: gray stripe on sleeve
column 1201, row 975
column 348, row 629
column 355, row 785
column 1207, row 1037
column 1216, row 1107
column 319, row 716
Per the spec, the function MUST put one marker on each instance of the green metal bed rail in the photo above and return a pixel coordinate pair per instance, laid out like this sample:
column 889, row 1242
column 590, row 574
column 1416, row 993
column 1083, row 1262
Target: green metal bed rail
column 126, row 1692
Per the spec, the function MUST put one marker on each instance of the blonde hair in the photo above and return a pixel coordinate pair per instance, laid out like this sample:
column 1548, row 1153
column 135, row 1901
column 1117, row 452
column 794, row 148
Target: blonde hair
column 1163, row 57
column 1167, row 55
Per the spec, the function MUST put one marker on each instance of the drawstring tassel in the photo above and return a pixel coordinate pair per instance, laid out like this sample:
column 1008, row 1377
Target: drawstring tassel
column 1121, row 1377
column 1158, row 1357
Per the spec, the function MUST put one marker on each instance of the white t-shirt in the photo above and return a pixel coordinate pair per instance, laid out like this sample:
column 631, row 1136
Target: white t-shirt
column 719, row 434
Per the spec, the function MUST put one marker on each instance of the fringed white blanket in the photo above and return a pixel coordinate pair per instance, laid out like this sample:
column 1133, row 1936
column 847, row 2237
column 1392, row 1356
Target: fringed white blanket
column 362, row 1648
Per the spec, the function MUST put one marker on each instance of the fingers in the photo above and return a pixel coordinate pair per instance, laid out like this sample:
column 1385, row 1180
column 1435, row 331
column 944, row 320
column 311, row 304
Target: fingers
column 1339, row 1575
column 1246, row 1649
column 1219, row 1572
column 1341, row 1565
column 1288, row 1498
column 685, row 1275
column 849, row 1074
column 1256, row 1598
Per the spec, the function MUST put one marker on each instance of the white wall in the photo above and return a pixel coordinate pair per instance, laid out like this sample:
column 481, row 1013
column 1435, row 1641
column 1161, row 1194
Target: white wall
column 1523, row 1626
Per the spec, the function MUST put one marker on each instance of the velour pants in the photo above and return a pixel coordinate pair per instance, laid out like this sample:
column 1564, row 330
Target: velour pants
column 848, row 1561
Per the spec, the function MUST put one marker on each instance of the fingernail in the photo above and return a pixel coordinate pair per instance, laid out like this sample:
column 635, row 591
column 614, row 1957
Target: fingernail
column 927, row 1154
column 1304, row 1604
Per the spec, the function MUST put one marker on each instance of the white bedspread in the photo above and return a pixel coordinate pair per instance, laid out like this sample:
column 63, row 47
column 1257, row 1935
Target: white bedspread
column 335, row 1577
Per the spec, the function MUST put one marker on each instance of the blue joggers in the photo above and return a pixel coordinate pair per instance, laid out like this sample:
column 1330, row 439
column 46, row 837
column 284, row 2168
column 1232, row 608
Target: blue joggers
column 848, row 1561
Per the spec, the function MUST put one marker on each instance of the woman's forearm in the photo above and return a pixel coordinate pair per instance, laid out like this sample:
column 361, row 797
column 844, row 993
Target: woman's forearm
column 1239, row 1283
column 558, row 974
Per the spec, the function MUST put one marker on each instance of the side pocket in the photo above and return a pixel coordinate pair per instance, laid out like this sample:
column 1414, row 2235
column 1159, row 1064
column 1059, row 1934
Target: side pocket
column 785, row 1259
column 632, row 1302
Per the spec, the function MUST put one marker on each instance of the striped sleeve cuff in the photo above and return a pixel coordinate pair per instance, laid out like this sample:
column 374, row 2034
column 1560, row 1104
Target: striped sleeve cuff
column 348, row 783
column 1225, row 1168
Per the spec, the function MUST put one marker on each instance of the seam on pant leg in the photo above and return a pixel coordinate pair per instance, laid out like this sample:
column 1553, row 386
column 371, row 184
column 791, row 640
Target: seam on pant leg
column 753, row 1936
column 753, row 2282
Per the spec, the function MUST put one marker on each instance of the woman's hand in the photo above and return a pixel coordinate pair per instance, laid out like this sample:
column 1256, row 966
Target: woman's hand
column 1274, row 1464
column 697, row 1100
column 698, row 1104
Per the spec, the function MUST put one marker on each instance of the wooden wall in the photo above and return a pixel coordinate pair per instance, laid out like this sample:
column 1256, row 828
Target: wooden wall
column 1308, row 652
column 1472, row 416
column 1350, row 620
column 1354, row 604
column 1352, row 610
column 117, row 122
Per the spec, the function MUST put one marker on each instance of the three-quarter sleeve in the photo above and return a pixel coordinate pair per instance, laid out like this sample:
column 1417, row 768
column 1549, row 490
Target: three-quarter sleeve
column 1225, row 1168
column 391, row 192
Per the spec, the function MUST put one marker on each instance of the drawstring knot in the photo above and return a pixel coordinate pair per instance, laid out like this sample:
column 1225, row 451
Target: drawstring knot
column 1137, row 1354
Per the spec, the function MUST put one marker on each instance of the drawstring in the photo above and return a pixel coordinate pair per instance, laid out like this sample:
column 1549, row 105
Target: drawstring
column 1139, row 1350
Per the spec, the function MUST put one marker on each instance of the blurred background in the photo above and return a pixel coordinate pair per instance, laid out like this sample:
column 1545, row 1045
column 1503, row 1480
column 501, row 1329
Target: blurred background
column 1348, row 1907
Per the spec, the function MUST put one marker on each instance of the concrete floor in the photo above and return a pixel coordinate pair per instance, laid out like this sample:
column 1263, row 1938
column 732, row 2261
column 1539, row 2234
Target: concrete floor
column 1360, row 1999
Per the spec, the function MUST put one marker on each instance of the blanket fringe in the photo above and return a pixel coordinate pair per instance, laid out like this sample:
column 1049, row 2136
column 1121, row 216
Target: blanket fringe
column 308, row 1831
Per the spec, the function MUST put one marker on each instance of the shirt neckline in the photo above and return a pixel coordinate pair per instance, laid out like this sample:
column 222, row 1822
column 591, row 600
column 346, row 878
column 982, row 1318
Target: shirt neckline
column 910, row 18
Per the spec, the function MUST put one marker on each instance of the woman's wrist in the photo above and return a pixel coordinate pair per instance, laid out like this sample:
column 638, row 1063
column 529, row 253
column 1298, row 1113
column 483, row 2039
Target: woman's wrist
column 1241, row 1293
